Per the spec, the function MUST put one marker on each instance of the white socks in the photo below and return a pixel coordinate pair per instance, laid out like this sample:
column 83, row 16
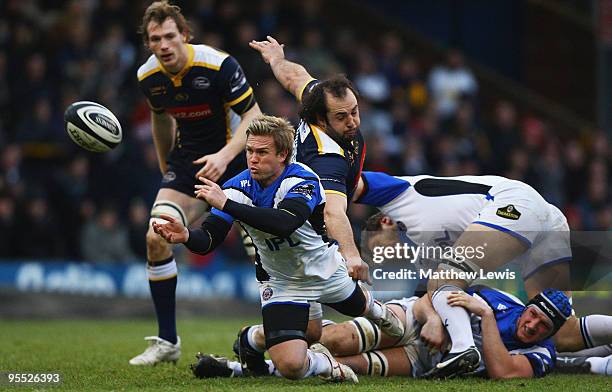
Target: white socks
column 319, row 365
column 455, row 318
column 596, row 330
column 251, row 338
column 601, row 365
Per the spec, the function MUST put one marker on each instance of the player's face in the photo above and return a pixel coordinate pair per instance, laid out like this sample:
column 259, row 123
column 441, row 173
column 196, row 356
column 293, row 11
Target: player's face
column 533, row 326
column 388, row 235
column 342, row 116
column 264, row 163
column 168, row 44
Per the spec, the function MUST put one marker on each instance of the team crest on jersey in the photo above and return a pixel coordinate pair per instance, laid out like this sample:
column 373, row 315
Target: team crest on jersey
column 508, row 212
column 201, row 83
column 267, row 293
column 169, row 176
column 305, row 190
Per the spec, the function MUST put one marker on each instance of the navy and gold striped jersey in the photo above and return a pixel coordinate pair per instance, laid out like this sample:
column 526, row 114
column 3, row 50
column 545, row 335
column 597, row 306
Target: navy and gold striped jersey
column 201, row 97
column 337, row 163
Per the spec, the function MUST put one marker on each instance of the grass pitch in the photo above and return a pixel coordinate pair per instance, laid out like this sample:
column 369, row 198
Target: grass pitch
column 93, row 355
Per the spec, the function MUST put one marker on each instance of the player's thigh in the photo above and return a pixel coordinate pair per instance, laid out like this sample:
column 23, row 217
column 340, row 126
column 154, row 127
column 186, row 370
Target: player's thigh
column 342, row 339
column 189, row 207
column 492, row 248
column 555, row 276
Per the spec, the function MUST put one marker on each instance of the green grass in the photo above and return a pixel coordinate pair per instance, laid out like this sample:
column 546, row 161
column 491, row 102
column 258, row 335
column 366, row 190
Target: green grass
column 92, row 355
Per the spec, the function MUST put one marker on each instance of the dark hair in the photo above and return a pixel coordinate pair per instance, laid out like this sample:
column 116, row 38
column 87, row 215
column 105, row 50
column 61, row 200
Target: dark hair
column 314, row 106
column 158, row 12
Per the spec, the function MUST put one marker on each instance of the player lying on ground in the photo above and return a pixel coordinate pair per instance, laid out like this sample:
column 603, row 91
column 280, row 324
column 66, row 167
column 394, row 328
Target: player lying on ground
column 515, row 222
column 195, row 92
column 280, row 205
column 514, row 339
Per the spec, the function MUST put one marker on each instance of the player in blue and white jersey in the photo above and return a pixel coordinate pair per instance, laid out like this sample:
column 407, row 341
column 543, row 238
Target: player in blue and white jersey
column 197, row 95
column 280, row 205
column 511, row 217
column 515, row 339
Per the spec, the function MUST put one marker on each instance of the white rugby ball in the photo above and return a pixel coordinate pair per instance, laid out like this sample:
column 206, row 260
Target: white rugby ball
column 92, row 126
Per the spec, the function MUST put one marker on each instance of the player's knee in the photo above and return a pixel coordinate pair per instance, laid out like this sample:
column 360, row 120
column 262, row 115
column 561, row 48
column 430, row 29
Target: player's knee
column 291, row 366
column 378, row 364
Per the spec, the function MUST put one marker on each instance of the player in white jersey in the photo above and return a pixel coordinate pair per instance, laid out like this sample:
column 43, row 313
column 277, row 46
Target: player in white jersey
column 280, row 205
column 509, row 216
column 514, row 338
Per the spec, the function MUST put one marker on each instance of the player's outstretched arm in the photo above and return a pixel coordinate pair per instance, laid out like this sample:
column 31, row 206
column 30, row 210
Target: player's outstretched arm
column 498, row 361
column 163, row 129
column 339, row 228
column 292, row 76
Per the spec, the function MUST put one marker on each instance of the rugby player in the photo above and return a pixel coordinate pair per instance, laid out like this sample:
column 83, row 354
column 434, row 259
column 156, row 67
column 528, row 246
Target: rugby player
column 514, row 338
column 197, row 94
column 329, row 141
column 509, row 216
column 280, row 205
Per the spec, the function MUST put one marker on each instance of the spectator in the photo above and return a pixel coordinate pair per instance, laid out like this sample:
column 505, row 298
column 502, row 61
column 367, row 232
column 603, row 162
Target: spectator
column 105, row 239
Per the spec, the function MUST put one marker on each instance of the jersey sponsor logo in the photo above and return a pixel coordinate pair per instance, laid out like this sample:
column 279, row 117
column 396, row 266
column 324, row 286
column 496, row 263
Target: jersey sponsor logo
column 158, row 90
column 196, row 112
column 501, row 307
column 304, row 190
column 244, row 183
column 267, row 293
column 274, row 243
column 508, row 212
column 238, row 80
column 169, row 177
column 181, row 97
column 201, row 83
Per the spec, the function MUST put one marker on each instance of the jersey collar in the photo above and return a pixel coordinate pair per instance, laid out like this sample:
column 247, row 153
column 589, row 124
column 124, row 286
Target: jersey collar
column 177, row 79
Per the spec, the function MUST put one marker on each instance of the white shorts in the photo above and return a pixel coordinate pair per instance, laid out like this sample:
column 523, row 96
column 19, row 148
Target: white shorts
column 517, row 209
column 421, row 359
column 336, row 288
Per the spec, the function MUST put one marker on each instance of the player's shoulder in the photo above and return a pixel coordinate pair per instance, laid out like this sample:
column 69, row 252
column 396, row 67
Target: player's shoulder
column 300, row 170
column 208, row 57
column 497, row 299
column 148, row 68
column 239, row 186
column 312, row 139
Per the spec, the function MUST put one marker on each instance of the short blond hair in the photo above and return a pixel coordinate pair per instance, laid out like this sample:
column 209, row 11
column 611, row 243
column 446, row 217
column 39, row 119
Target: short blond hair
column 158, row 12
column 279, row 128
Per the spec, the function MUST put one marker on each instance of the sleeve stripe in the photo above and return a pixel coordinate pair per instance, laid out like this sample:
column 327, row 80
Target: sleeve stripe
column 301, row 91
column 331, row 191
column 240, row 98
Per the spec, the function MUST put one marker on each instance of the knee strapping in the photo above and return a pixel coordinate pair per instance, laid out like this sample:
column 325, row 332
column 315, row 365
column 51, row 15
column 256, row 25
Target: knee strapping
column 464, row 268
column 367, row 332
column 378, row 365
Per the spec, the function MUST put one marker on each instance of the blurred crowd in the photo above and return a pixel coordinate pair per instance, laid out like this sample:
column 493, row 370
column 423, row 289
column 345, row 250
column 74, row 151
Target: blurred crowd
column 60, row 202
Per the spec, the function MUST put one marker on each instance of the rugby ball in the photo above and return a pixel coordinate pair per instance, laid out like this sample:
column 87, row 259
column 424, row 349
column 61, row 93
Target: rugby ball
column 92, row 126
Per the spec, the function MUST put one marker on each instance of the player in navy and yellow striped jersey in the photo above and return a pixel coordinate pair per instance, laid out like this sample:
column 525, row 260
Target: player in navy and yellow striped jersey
column 197, row 95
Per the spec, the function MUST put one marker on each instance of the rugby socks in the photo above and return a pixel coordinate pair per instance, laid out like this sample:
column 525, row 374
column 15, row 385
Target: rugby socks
column 374, row 308
column 599, row 351
column 162, row 282
column 252, row 340
column 455, row 318
column 601, row 366
column 596, row 330
column 318, row 365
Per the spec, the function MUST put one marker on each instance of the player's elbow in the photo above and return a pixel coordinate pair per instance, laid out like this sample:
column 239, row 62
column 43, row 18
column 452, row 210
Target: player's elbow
column 505, row 373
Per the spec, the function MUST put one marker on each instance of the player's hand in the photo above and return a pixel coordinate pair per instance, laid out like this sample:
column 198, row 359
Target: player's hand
column 358, row 270
column 211, row 192
column 214, row 166
column 270, row 49
column 174, row 232
column 434, row 334
column 471, row 304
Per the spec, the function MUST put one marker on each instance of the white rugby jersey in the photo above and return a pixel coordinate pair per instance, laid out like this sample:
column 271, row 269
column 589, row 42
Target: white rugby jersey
column 306, row 252
column 434, row 210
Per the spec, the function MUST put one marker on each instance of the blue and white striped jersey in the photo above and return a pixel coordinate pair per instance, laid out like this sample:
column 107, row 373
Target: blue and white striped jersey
column 306, row 252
